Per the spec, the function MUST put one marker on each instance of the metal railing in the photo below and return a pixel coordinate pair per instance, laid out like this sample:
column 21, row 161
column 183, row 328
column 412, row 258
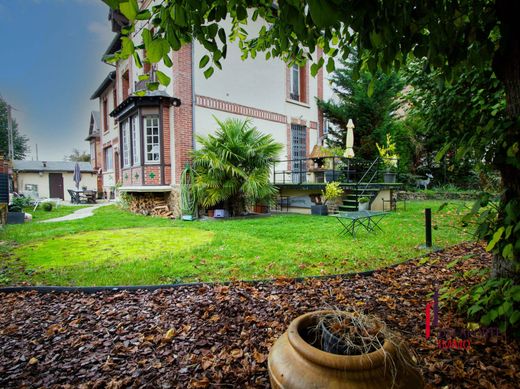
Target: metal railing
column 354, row 171
column 142, row 84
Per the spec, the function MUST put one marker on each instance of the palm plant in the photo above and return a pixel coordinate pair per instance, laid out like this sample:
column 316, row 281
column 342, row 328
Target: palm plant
column 233, row 166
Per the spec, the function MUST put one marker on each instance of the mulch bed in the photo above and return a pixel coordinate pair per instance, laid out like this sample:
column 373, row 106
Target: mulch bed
column 219, row 335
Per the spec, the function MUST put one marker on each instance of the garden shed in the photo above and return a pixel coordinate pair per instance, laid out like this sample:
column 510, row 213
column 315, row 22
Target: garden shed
column 50, row 179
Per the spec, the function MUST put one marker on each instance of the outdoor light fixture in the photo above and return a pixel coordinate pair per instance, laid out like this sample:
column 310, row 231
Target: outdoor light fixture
column 40, row 174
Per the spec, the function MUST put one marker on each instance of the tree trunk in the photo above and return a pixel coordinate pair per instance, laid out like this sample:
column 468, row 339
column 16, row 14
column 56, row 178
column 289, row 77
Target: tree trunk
column 506, row 65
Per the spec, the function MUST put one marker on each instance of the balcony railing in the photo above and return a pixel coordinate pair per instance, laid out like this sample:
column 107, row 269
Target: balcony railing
column 327, row 169
column 142, row 84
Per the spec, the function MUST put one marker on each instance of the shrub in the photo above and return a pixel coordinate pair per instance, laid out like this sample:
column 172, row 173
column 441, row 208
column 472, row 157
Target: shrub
column 332, row 192
column 233, row 166
column 47, row 207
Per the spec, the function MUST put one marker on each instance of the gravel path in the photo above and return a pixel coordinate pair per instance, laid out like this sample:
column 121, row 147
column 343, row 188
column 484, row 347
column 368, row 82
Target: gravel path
column 79, row 214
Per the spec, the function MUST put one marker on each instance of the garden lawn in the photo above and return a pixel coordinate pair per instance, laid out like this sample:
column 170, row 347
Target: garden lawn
column 62, row 210
column 114, row 247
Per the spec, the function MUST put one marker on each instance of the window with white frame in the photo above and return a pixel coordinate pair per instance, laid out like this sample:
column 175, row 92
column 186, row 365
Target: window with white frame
column 125, row 134
column 136, row 141
column 152, row 145
column 109, row 159
column 295, row 83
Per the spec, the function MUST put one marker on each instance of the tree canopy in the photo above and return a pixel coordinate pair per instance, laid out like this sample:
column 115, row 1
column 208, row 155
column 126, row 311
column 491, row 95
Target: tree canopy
column 372, row 114
column 78, row 156
column 20, row 141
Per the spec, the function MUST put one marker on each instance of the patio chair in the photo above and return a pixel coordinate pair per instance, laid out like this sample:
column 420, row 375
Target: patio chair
column 74, row 196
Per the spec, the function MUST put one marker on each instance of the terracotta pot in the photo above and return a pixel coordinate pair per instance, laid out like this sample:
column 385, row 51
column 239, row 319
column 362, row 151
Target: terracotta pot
column 295, row 363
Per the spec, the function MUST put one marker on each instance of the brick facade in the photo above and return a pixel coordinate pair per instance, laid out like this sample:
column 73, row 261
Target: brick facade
column 152, row 175
column 183, row 116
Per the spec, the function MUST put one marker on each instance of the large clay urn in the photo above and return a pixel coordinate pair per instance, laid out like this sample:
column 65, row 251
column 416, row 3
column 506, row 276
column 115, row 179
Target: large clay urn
column 295, row 363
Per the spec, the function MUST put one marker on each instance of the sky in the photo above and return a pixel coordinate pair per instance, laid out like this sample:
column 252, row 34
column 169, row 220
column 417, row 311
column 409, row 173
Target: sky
column 50, row 64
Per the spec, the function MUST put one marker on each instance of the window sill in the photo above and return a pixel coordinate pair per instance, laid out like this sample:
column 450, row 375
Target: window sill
column 296, row 102
column 152, row 163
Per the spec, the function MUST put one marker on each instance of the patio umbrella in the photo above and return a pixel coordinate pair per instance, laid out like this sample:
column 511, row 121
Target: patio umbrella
column 77, row 175
column 349, row 152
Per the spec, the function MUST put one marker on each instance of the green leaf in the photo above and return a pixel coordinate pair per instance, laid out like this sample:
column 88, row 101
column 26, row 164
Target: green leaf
column 129, row 9
column 208, row 72
column 204, row 61
column 114, row 4
column 241, row 13
column 496, row 237
column 167, row 61
column 322, row 13
column 144, row 15
column 127, row 47
column 514, row 317
column 163, row 78
column 152, row 86
column 147, row 37
column 154, row 51
column 370, row 90
column 143, row 77
column 330, row 65
column 442, row 152
column 137, row 60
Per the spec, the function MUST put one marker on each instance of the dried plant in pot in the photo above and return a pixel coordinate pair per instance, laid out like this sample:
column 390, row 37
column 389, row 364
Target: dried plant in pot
column 336, row 349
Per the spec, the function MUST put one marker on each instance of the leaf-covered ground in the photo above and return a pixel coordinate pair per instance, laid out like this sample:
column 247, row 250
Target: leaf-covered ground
column 218, row 335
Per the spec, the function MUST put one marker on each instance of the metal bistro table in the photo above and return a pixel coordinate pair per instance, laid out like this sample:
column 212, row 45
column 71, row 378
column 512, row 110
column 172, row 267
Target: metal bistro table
column 369, row 220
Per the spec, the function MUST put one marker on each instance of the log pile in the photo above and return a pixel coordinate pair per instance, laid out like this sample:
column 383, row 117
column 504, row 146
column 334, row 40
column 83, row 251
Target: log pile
column 153, row 204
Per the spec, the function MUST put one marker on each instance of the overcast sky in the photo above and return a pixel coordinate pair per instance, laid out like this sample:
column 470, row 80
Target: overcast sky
column 50, row 66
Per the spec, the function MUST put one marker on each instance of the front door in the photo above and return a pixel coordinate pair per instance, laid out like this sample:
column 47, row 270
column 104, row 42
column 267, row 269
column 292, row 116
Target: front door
column 56, row 186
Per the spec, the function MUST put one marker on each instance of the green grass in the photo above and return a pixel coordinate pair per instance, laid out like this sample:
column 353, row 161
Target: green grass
column 114, row 247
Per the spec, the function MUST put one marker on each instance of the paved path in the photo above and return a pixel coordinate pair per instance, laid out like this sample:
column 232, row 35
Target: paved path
column 79, row 214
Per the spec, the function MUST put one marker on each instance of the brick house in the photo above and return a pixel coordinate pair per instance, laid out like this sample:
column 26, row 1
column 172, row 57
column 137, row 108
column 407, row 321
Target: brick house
column 146, row 141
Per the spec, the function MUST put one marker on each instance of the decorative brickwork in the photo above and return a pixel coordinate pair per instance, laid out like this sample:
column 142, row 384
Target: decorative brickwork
column 183, row 115
column 152, row 175
column 237, row 109
column 313, row 125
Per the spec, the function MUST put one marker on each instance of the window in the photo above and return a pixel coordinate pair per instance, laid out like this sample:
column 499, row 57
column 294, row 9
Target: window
column 152, row 150
column 136, row 141
column 125, row 141
column 31, row 187
column 298, row 83
column 109, row 159
column 295, row 83
column 105, row 115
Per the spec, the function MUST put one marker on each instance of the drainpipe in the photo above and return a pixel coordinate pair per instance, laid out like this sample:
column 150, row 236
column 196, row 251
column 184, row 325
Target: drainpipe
column 193, row 96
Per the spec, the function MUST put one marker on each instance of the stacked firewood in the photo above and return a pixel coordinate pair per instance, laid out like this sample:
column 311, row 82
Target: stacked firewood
column 150, row 204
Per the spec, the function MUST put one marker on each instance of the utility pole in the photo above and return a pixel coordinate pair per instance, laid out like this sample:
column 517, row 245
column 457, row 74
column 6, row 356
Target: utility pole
column 37, row 152
column 10, row 141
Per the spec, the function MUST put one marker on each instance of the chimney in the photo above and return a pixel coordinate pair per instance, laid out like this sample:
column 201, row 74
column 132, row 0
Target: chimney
column 44, row 163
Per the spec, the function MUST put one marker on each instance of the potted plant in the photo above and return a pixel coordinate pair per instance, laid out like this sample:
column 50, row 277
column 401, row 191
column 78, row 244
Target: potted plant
column 329, row 196
column 390, row 158
column 363, row 203
column 15, row 214
column 341, row 349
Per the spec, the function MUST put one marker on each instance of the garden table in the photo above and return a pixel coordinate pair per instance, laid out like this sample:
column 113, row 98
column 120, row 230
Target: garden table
column 369, row 220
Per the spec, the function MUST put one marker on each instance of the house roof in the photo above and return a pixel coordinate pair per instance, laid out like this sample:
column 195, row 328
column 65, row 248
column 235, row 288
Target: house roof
column 149, row 99
column 51, row 166
column 104, row 85
column 113, row 47
column 94, row 127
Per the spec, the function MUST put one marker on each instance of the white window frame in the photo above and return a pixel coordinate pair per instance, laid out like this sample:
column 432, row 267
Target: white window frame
column 109, row 159
column 152, row 141
column 136, row 140
column 125, row 135
column 295, row 75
